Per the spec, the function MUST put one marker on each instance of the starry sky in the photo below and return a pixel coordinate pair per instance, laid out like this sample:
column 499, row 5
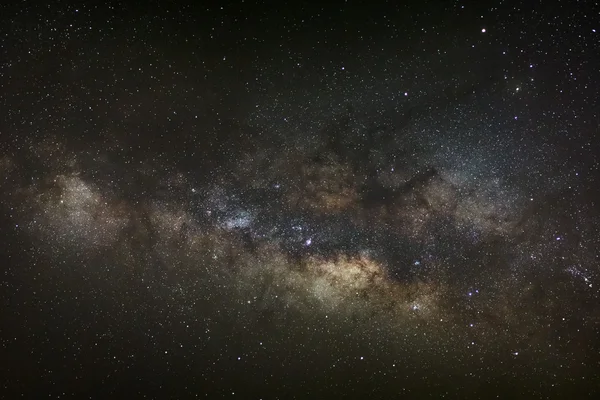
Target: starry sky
column 288, row 201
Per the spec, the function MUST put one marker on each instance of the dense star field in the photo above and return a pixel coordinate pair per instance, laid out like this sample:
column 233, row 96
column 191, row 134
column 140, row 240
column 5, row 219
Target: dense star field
column 300, row 201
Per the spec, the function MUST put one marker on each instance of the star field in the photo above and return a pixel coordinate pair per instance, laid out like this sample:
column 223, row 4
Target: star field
column 293, row 202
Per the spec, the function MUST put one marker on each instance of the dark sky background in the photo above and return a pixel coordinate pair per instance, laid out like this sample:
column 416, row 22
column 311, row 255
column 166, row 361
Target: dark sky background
column 287, row 201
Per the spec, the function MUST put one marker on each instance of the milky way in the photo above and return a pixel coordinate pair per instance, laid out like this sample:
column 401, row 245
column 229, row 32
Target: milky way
column 419, row 231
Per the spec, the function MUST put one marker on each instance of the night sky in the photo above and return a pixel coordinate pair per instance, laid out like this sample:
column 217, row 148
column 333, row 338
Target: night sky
column 289, row 201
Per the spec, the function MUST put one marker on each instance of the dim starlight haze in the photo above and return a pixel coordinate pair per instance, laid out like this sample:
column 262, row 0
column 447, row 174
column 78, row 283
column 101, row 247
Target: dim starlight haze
column 351, row 200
